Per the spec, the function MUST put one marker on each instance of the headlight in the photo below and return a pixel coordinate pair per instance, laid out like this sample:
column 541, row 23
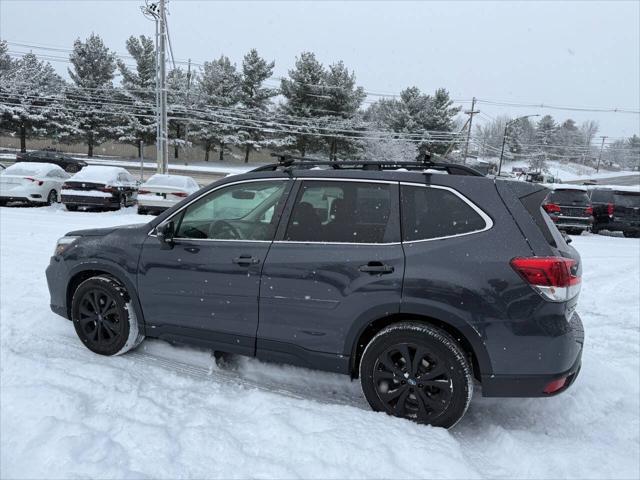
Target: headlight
column 63, row 244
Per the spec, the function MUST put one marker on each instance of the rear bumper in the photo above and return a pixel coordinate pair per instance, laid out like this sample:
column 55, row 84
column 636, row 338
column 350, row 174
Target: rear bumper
column 535, row 385
column 582, row 223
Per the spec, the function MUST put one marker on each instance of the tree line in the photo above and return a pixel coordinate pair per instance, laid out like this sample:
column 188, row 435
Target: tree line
column 219, row 105
column 547, row 139
column 316, row 109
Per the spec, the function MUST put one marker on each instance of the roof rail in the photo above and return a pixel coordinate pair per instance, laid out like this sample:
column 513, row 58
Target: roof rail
column 289, row 162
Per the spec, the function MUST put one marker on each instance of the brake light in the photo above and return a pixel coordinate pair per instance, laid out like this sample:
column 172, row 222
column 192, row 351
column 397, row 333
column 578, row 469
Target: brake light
column 610, row 208
column 143, row 192
column 180, row 194
column 555, row 278
column 39, row 182
column 551, row 207
column 589, row 211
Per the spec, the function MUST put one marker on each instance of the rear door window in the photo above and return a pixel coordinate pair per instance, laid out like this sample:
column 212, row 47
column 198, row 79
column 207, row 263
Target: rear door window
column 429, row 212
column 344, row 212
column 627, row 199
column 568, row 197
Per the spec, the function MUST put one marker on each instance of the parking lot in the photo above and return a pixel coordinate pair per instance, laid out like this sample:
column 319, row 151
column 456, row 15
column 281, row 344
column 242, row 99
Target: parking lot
column 165, row 411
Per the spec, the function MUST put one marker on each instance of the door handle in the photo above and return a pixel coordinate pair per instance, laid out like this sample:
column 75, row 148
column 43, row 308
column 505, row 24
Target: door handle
column 246, row 260
column 376, row 268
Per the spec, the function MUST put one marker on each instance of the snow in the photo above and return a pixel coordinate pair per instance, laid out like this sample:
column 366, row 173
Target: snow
column 568, row 171
column 167, row 412
column 86, row 193
column 99, row 174
column 33, row 169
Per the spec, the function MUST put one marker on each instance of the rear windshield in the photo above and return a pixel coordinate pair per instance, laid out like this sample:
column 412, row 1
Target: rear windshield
column 627, row 199
column 568, row 196
column 600, row 195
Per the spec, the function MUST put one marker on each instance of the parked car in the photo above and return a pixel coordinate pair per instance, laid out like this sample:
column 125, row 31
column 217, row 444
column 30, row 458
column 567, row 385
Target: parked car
column 539, row 177
column 570, row 209
column 31, row 183
column 616, row 209
column 100, row 187
column 415, row 282
column 64, row 161
column 161, row 191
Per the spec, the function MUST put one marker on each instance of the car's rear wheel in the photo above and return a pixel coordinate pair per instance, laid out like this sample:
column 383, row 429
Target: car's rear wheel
column 72, row 208
column 631, row 234
column 52, row 197
column 104, row 318
column 142, row 211
column 417, row 372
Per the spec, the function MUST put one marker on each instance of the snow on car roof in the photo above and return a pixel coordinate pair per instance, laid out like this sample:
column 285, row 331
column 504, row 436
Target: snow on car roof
column 617, row 188
column 30, row 168
column 565, row 186
column 96, row 173
column 165, row 180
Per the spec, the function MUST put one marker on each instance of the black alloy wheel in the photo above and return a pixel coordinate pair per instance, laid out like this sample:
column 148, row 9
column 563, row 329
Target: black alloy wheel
column 418, row 372
column 412, row 382
column 101, row 316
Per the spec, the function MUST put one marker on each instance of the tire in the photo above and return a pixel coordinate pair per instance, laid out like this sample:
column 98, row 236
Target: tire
column 141, row 211
column 123, row 202
column 631, row 234
column 443, row 363
column 52, row 197
column 72, row 208
column 3, row 203
column 104, row 318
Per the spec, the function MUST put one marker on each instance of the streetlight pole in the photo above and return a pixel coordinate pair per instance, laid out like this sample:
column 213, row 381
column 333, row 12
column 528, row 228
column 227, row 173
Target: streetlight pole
column 504, row 137
column 600, row 156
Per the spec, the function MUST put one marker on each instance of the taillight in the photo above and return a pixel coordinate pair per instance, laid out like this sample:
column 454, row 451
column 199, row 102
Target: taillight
column 555, row 385
column 555, row 278
column 551, row 207
column 143, row 192
column 180, row 194
column 39, row 182
column 589, row 211
column 610, row 208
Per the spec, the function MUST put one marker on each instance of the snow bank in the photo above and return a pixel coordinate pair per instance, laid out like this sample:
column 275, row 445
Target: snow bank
column 167, row 412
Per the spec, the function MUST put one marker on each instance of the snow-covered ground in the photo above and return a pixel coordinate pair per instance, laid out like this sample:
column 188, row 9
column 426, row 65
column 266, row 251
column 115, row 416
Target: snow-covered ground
column 568, row 171
column 167, row 412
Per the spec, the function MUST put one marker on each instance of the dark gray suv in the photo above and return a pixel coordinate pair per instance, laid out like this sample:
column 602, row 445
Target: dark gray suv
column 420, row 279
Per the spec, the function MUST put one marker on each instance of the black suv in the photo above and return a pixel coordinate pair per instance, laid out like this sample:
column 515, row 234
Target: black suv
column 66, row 162
column 616, row 209
column 570, row 209
column 415, row 281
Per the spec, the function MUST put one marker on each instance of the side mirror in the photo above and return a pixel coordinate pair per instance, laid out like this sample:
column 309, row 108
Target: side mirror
column 165, row 232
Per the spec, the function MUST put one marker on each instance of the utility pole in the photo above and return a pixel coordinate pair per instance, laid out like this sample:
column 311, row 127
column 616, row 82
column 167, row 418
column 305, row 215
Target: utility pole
column 163, row 153
column 600, row 156
column 504, row 137
column 471, row 113
column 186, row 125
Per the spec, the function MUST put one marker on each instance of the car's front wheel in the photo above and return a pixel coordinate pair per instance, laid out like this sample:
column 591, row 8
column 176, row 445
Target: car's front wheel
column 104, row 318
column 418, row 372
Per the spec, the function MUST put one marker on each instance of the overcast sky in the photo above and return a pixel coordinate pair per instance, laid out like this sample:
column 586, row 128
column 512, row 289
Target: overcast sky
column 584, row 54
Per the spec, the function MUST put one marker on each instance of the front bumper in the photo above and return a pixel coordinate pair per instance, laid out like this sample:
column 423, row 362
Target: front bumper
column 534, row 385
column 57, row 279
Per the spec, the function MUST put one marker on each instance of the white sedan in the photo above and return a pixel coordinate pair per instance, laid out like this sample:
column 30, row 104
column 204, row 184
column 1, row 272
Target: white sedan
column 31, row 182
column 160, row 192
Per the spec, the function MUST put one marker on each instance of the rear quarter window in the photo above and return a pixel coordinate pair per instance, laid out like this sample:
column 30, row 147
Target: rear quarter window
column 429, row 213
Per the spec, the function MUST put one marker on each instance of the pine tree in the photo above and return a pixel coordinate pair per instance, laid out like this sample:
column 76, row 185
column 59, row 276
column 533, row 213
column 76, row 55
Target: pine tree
column 92, row 73
column 218, row 89
column 177, row 93
column 5, row 60
column 341, row 105
column 569, row 140
column 31, row 96
column 254, row 97
column 139, row 118
column 304, row 95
